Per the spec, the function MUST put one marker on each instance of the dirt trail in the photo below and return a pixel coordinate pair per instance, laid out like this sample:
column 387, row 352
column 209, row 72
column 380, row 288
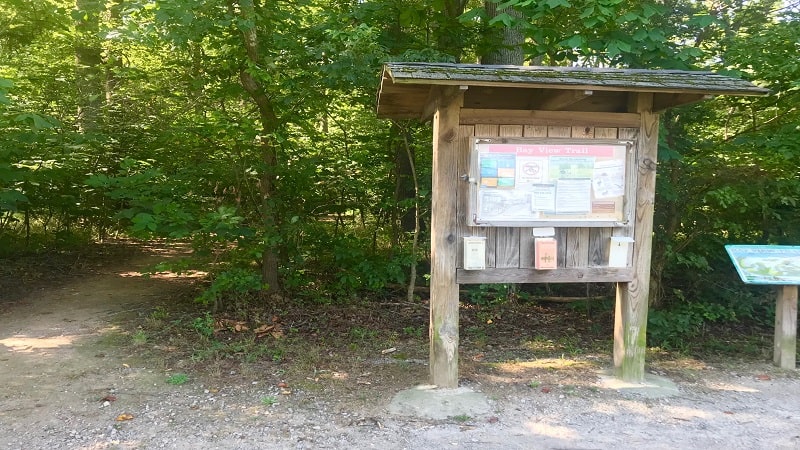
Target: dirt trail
column 60, row 354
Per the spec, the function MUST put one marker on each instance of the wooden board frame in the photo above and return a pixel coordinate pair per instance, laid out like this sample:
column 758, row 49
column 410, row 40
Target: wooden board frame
column 557, row 148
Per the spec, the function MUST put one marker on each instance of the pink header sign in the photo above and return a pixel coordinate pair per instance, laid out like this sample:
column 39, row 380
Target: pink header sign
column 600, row 151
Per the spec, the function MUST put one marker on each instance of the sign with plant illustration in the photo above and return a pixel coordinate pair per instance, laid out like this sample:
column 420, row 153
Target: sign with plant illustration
column 766, row 264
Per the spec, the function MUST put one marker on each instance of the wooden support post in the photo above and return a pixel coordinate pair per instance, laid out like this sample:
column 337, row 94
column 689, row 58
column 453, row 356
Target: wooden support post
column 444, row 242
column 630, row 313
column 786, row 327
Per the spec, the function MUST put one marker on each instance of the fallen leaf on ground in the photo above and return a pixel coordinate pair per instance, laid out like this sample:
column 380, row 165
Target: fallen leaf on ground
column 763, row 377
column 263, row 329
column 123, row 417
column 546, row 390
column 109, row 398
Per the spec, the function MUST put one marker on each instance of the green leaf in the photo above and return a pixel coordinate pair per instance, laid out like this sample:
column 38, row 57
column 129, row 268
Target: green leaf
column 38, row 122
column 702, row 21
column 576, row 41
column 10, row 200
column 553, row 4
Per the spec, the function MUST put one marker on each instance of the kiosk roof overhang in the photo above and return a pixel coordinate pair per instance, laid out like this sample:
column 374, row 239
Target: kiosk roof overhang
column 407, row 89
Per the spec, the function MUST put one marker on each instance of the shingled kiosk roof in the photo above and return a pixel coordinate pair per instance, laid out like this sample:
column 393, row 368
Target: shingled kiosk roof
column 407, row 88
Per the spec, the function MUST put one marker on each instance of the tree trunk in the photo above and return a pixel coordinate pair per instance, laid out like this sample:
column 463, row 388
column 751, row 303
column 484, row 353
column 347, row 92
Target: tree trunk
column 509, row 51
column 89, row 81
column 269, row 124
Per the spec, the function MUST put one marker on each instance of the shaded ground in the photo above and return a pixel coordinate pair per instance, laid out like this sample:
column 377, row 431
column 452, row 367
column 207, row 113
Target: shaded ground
column 94, row 355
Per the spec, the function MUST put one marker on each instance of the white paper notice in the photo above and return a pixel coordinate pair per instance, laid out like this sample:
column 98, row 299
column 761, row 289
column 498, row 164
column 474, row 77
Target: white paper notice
column 609, row 179
column 531, row 170
column 574, row 196
column 543, row 197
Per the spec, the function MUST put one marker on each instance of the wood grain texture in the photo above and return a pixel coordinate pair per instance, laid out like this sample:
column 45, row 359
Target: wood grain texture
column 471, row 116
column 559, row 131
column 560, row 275
column 444, row 301
column 582, row 132
column 630, row 320
column 561, row 240
column 577, row 247
column 507, row 247
column 599, row 246
column 786, row 327
column 605, row 133
column 465, row 133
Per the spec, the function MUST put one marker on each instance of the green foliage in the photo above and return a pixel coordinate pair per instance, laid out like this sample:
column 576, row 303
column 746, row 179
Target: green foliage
column 178, row 379
column 204, row 325
column 155, row 134
column 231, row 283
column 682, row 323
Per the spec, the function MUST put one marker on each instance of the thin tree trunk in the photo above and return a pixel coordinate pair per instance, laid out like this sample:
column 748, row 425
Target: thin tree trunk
column 412, row 279
column 269, row 124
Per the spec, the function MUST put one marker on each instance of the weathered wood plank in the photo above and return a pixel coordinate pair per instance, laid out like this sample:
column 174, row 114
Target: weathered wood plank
column 785, row 327
column 526, row 250
column 605, row 133
column 511, row 130
column 599, row 242
column 630, row 312
column 507, row 247
column 537, row 131
column 582, row 132
column 559, row 131
column 444, row 303
column 465, row 133
column 561, row 275
column 487, row 130
column 561, row 240
column 577, row 247
column 491, row 246
column 471, row 116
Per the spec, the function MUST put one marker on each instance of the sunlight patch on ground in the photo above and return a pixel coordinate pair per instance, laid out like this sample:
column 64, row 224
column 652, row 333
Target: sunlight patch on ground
column 25, row 344
column 551, row 430
column 544, row 363
column 164, row 275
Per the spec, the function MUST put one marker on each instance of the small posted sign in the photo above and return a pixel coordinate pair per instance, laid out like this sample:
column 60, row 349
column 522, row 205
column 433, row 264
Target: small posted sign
column 766, row 264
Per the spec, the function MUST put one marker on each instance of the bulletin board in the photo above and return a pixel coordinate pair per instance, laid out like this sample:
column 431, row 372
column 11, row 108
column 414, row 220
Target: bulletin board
column 549, row 182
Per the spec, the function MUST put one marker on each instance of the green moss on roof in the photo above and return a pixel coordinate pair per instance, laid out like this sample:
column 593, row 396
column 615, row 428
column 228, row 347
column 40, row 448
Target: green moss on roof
column 636, row 79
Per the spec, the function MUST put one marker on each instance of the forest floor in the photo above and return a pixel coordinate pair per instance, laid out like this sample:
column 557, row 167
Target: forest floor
column 96, row 355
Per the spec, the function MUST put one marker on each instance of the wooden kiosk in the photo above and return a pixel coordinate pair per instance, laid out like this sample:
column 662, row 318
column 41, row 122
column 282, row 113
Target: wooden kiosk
column 542, row 175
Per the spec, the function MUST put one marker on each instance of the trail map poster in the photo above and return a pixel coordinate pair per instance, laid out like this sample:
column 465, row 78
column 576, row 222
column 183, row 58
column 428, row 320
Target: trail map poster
column 766, row 264
column 541, row 181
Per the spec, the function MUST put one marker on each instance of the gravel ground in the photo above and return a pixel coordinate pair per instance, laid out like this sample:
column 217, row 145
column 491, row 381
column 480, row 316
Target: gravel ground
column 68, row 384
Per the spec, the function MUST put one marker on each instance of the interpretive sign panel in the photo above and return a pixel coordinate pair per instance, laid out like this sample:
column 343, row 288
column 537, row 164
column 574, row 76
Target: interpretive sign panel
column 766, row 264
column 529, row 182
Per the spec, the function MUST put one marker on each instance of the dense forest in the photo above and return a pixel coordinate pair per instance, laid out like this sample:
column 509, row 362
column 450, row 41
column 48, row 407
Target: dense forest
column 248, row 128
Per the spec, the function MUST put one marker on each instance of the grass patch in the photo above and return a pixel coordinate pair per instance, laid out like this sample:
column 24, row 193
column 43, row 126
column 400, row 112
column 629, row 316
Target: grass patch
column 178, row 379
